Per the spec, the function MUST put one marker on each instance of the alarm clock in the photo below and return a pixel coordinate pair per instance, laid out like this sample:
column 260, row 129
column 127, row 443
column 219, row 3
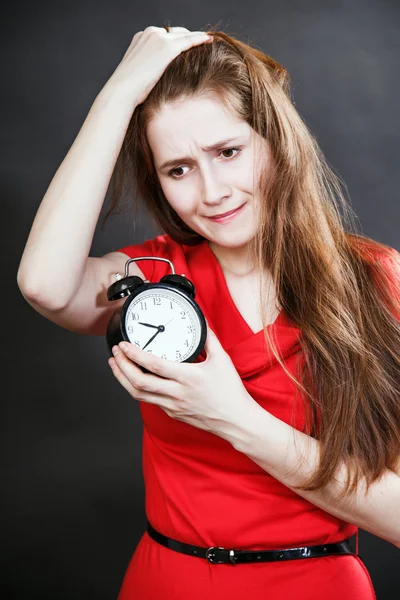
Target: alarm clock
column 161, row 318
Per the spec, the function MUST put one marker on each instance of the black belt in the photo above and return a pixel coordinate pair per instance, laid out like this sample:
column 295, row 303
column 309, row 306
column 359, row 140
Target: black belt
column 219, row 555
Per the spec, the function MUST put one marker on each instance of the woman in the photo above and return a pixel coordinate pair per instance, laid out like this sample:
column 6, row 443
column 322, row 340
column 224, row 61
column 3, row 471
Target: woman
column 284, row 438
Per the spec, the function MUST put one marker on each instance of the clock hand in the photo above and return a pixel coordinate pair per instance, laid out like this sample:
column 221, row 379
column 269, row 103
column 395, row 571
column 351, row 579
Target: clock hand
column 148, row 325
column 159, row 329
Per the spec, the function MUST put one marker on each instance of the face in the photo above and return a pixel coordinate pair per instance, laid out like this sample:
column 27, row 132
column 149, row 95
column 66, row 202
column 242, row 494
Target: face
column 200, row 182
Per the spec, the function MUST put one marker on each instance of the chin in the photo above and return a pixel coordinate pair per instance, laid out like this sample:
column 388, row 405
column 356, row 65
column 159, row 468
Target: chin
column 231, row 239
column 233, row 236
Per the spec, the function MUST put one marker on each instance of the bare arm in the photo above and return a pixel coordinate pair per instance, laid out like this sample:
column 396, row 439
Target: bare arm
column 290, row 456
column 59, row 242
column 89, row 310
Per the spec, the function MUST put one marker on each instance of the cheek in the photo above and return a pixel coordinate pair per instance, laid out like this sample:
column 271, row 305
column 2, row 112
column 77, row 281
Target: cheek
column 182, row 200
column 247, row 172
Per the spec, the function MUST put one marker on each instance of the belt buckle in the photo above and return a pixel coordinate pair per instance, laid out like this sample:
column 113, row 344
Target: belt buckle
column 210, row 555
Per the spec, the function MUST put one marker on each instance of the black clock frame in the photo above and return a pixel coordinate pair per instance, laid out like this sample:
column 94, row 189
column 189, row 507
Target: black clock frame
column 116, row 331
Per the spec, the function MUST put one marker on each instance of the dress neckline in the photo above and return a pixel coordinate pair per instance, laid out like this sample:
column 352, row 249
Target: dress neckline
column 280, row 320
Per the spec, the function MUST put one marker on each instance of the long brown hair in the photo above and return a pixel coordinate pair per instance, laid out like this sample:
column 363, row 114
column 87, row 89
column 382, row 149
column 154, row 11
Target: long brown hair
column 333, row 284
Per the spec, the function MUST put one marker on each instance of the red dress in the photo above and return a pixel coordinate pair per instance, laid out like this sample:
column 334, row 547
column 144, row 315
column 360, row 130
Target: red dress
column 200, row 490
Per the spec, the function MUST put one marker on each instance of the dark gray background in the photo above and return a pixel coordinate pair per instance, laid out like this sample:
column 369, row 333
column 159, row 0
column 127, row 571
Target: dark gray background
column 73, row 496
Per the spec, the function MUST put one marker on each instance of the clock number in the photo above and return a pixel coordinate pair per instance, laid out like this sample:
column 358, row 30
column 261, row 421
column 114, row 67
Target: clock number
column 136, row 343
column 135, row 316
column 163, row 356
column 171, row 305
column 143, row 305
column 183, row 314
column 178, row 354
column 130, row 329
column 157, row 301
column 186, row 343
column 190, row 328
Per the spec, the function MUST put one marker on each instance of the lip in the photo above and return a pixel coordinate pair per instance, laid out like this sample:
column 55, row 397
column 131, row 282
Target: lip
column 227, row 216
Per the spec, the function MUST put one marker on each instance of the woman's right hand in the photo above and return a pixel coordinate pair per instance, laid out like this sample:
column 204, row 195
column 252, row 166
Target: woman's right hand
column 149, row 54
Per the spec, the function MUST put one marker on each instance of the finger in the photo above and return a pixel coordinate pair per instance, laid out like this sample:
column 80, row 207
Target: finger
column 182, row 30
column 158, row 366
column 212, row 346
column 135, row 392
column 177, row 29
column 202, row 36
column 123, row 380
column 146, row 382
column 143, row 382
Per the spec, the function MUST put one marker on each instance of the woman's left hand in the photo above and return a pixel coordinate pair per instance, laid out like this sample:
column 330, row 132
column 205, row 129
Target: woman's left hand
column 208, row 395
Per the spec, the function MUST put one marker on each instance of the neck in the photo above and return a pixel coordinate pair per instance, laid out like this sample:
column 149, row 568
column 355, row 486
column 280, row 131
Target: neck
column 235, row 261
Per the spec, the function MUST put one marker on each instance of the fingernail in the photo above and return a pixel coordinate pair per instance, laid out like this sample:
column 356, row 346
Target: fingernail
column 115, row 350
column 124, row 346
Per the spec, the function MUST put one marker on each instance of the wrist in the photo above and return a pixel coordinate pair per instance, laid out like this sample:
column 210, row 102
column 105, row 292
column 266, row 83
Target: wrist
column 116, row 94
column 240, row 431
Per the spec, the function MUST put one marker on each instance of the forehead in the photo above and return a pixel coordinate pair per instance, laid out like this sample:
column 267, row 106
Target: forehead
column 190, row 123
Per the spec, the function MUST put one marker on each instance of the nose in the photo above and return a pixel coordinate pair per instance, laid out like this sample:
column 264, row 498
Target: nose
column 213, row 188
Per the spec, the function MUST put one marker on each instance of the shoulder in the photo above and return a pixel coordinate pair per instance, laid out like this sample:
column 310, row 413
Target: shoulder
column 159, row 243
column 378, row 254
column 384, row 265
column 161, row 246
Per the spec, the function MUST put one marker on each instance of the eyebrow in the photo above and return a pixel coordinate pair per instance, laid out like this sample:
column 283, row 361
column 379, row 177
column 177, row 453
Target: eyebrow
column 175, row 161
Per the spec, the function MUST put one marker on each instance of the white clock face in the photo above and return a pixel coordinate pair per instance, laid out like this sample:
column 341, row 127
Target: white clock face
column 155, row 307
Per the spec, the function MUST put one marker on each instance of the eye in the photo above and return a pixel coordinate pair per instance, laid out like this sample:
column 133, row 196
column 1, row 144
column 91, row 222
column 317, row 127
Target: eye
column 172, row 171
column 229, row 149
